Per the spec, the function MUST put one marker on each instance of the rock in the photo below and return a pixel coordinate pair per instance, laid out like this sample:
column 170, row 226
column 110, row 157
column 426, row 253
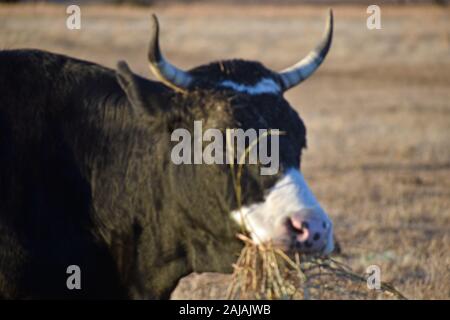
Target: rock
column 202, row 286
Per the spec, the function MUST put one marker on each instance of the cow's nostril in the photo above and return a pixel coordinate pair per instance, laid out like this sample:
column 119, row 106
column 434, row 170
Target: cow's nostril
column 316, row 236
column 297, row 226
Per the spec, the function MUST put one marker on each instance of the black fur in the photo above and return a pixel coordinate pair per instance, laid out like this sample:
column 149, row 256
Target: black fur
column 84, row 180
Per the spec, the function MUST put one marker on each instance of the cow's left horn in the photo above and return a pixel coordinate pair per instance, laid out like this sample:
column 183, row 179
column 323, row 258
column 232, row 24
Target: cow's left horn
column 161, row 68
column 300, row 71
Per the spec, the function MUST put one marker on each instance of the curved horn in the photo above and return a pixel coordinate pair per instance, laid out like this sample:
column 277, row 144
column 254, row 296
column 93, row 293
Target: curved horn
column 161, row 68
column 300, row 71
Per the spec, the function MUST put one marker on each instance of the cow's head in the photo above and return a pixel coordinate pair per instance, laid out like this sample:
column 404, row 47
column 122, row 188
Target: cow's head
column 241, row 94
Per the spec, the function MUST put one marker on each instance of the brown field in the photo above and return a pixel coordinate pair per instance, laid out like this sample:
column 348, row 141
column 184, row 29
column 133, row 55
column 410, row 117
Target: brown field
column 377, row 111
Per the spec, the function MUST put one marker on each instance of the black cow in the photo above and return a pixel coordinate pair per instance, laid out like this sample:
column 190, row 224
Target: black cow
column 87, row 179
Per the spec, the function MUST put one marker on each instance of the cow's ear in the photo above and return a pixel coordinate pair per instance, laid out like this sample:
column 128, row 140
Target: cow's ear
column 142, row 96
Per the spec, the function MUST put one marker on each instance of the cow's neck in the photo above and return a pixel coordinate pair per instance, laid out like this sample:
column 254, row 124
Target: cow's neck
column 153, row 221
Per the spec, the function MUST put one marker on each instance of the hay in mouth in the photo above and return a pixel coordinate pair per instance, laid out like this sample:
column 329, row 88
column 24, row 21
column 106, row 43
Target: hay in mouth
column 264, row 271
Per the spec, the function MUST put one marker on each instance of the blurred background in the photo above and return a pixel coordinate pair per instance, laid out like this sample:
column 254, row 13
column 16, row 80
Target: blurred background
column 377, row 111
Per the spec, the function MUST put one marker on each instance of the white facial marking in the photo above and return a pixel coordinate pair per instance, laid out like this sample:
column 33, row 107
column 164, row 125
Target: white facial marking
column 266, row 85
column 266, row 221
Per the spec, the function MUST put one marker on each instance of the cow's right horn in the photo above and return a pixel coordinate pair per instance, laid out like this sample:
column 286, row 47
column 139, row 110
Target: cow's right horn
column 300, row 71
column 165, row 72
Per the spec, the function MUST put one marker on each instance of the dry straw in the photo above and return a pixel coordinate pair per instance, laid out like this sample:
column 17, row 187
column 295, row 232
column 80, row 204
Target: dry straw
column 263, row 271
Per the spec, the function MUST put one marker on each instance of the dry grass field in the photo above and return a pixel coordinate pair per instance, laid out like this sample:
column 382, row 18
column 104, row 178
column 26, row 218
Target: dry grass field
column 377, row 111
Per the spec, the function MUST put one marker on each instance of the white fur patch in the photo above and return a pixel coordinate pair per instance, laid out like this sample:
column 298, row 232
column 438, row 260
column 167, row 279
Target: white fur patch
column 288, row 196
column 266, row 85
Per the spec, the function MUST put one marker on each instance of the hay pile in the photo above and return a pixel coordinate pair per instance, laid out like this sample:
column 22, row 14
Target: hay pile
column 265, row 272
